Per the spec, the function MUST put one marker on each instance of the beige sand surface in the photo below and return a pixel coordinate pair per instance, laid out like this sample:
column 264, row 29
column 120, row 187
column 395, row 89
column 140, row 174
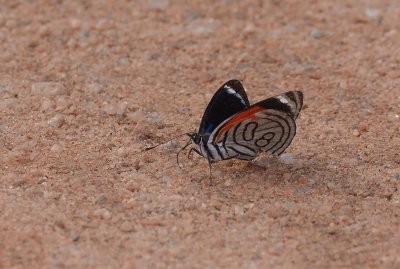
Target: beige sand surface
column 84, row 85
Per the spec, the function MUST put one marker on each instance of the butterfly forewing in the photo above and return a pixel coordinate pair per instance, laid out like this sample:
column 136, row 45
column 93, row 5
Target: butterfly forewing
column 230, row 99
column 268, row 125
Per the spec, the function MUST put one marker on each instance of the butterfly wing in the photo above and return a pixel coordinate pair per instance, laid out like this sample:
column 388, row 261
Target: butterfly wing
column 268, row 125
column 230, row 99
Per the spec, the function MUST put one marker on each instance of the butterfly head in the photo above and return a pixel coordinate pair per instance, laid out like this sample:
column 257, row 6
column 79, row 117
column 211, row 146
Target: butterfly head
column 195, row 138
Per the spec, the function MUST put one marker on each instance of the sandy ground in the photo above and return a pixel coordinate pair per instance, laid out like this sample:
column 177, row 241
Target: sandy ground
column 84, row 85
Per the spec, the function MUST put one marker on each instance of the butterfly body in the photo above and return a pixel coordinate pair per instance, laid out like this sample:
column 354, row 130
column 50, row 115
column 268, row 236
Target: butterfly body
column 232, row 128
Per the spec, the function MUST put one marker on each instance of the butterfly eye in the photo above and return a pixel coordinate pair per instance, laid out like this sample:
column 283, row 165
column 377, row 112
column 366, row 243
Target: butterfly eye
column 196, row 138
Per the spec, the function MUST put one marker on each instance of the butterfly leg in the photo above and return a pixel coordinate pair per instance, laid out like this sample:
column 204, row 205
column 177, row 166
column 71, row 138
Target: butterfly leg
column 190, row 154
column 191, row 151
column 177, row 155
column 209, row 165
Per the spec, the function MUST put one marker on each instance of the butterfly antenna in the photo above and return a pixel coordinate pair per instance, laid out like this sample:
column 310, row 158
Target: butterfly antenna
column 162, row 143
column 177, row 154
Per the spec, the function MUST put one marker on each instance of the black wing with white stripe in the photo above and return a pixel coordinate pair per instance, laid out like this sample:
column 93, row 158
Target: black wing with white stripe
column 230, row 99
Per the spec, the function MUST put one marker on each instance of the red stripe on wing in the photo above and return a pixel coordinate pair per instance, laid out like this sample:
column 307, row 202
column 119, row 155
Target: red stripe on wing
column 247, row 114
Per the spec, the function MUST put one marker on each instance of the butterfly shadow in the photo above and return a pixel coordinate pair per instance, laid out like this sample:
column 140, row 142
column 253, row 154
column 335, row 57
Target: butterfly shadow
column 282, row 174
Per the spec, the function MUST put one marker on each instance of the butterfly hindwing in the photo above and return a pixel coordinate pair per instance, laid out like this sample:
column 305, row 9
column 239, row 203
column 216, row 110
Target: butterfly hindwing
column 230, row 99
column 268, row 125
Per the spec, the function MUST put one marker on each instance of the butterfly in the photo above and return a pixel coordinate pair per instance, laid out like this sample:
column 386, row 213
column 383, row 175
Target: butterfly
column 232, row 128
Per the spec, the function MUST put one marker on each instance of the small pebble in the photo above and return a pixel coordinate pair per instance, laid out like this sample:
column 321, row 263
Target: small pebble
column 110, row 109
column 75, row 23
column 287, row 158
column 137, row 116
column 156, row 4
column 331, row 185
column 61, row 103
column 362, row 127
column 10, row 177
column 121, row 108
column 51, row 195
column 228, row 183
column 57, row 121
column 48, row 89
column 122, row 152
column 355, row 132
column 47, row 105
column 19, row 183
column 286, row 176
column 127, row 227
column 166, row 180
column 239, row 211
column 94, row 88
column 317, row 34
column 300, row 191
column 203, row 28
column 101, row 199
column 56, row 148
column 118, row 109
column 374, row 14
column 75, row 237
column 393, row 116
column 103, row 213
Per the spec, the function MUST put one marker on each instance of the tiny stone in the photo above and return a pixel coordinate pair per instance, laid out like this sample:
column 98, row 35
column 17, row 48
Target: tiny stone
column 355, row 132
column 228, row 183
column 51, row 195
column 249, row 29
column 101, row 199
column 47, row 105
column 311, row 181
column 300, row 191
column 75, row 237
column 103, row 213
column 286, row 176
column 203, row 27
column 49, row 89
column 374, row 14
column 363, row 127
column 156, row 4
column 249, row 206
column 166, row 180
column 287, row 158
column 75, row 24
column 94, row 88
column 191, row 15
column 175, row 197
column 122, row 152
column 10, row 104
column 110, row 109
column 331, row 185
column 19, row 183
column 317, row 34
column 239, row 211
column 137, row 116
column 90, row 106
column 56, row 148
column 393, row 116
column 9, row 177
column 127, row 227
column 121, row 108
column 62, row 103
column 60, row 224
column 57, row 121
